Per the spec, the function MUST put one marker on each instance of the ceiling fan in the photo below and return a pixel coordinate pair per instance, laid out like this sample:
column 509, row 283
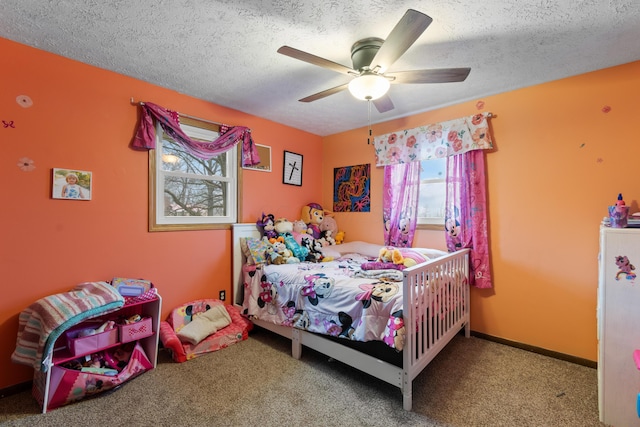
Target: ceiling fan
column 371, row 59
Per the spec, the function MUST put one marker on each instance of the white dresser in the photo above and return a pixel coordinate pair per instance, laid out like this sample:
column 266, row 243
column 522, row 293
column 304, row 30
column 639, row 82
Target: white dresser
column 618, row 326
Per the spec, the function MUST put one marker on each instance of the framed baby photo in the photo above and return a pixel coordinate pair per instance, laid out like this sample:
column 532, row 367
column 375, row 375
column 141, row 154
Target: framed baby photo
column 71, row 184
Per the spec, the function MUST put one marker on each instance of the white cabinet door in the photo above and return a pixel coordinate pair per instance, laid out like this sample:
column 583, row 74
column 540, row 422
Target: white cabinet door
column 618, row 326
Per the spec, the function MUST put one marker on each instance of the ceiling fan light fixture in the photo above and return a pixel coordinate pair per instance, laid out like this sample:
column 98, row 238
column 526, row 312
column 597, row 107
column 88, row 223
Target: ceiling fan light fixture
column 369, row 86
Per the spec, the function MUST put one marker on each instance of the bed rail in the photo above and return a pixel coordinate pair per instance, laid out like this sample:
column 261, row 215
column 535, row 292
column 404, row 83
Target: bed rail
column 436, row 297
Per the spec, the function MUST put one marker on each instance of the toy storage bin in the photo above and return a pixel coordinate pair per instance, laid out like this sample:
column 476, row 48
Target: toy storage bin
column 69, row 385
column 135, row 331
column 91, row 343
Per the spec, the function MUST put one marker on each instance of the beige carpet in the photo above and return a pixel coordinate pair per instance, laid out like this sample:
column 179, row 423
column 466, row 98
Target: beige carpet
column 472, row 382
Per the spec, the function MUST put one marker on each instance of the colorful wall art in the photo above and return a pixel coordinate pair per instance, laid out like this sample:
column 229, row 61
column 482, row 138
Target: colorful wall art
column 351, row 188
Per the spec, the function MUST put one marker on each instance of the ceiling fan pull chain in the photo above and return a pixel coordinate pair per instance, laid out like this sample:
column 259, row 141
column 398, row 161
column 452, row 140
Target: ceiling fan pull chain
column 369, row 106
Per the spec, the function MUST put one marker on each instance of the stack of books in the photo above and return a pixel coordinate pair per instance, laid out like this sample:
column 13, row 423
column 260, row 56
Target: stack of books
column 633, row 221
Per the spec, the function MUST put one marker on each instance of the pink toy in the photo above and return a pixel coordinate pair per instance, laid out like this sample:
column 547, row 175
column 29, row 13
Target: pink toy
column 329, row 223
column 299, row 230
column 618, row 213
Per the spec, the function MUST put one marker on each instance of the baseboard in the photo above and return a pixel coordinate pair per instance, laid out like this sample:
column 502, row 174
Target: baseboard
column 15, row 389
column 19, row 388
column 539, row 350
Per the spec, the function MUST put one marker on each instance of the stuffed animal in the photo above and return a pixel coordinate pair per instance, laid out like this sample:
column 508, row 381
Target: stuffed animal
column 400, row 256
column 312, row 214
column 299, row 230
column 330, row 224
column 328, row 237
column 339, row 237
column 315, row 255
column 272, row 256
column 279, row 254
column 394, row 333
column 284, row 228
column 267, row 224
column 385, row 254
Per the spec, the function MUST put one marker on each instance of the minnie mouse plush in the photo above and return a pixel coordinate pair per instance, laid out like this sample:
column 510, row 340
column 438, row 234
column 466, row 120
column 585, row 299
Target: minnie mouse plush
column 268, row 225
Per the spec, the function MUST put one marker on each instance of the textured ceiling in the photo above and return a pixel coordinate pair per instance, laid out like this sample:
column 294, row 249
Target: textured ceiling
column 224, row 51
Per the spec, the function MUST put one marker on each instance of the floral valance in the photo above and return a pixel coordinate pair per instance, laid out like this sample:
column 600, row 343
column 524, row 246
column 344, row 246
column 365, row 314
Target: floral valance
column 169, row 120
column 434, row 141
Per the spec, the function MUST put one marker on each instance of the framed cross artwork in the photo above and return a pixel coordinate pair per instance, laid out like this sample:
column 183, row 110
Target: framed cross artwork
column 292, row 169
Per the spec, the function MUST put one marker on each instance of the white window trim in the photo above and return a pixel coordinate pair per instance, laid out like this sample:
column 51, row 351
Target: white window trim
column 157, row 221
column 432, row 222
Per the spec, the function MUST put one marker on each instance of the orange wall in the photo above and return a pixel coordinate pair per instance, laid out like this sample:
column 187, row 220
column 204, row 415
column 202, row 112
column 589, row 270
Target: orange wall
column 82, row 118
column 559, row 160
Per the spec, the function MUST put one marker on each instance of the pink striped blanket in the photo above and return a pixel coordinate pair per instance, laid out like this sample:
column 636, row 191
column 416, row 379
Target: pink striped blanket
column 40, row 324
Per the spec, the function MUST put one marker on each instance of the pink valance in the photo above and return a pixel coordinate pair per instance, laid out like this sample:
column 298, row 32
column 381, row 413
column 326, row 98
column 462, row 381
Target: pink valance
column 434, row 141
column 169, row 120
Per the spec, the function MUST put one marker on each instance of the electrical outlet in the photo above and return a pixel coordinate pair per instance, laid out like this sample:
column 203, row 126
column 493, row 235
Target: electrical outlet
column 223, row 295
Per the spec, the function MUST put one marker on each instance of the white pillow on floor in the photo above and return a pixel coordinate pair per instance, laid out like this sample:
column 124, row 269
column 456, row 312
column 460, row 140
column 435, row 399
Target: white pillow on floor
column 204, row 325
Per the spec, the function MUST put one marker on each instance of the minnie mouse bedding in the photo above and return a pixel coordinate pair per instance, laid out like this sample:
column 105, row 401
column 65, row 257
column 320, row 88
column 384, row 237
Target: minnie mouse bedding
column 336, row 298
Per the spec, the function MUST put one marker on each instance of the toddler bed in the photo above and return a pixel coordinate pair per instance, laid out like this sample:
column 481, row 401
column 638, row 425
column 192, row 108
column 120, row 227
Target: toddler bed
column 326, row 306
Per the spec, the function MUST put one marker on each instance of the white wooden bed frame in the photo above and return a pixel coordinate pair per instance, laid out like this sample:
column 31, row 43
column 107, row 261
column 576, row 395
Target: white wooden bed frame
column 425, row 335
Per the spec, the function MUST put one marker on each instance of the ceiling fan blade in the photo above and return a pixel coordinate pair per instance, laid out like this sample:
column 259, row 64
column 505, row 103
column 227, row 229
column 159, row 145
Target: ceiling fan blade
column 383, row 104
column 443, row 75
column 403, row 35
column 315, row 60
column 325, row 93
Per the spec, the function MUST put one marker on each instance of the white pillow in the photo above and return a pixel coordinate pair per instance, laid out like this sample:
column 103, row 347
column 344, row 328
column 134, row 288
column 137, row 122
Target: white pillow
column 371, row 250
column 430, row 253
column 329, row 251
column 204, row 325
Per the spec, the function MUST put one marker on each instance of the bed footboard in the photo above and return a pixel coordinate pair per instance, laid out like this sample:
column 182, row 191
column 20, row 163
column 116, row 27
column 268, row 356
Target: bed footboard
column 435, row 309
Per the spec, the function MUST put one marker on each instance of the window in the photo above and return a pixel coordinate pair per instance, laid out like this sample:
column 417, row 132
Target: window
column 186, row 192
column 432, row 193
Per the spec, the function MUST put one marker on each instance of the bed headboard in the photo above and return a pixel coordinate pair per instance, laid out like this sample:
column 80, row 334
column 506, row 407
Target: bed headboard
column 239, row 231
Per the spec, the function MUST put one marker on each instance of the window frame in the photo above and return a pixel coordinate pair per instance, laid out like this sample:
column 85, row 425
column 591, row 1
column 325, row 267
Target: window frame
column 184, row 224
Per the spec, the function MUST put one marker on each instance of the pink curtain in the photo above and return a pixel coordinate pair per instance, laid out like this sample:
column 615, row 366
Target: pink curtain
column 463, row 142
column 400, row 203
column 466, row 213
column 169, row 121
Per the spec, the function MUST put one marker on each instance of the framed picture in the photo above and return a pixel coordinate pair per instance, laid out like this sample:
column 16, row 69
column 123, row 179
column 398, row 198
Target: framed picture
column 292, row 169
column 264, row 152
column 71, row 184
column 351, row 188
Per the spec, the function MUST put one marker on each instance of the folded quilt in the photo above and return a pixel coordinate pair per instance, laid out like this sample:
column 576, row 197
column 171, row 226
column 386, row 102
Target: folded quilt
column 40, row 324
column 390, row 274
column 381, row 265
